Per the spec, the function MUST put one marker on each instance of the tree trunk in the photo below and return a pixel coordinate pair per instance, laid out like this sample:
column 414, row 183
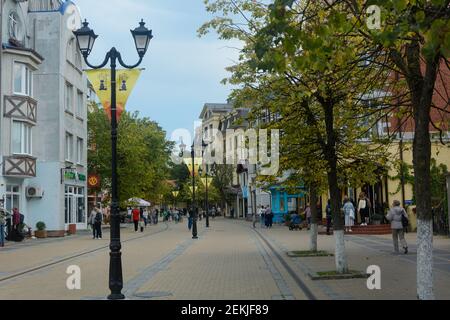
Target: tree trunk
column 422, row 90
column 332, row 160
column 338, row 226
column 421, row 86
column 314, row 225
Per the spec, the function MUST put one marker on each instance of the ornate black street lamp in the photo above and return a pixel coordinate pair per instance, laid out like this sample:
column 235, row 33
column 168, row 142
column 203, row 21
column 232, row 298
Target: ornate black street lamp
column 192, row 171
column 204, row 146
column 86, row 38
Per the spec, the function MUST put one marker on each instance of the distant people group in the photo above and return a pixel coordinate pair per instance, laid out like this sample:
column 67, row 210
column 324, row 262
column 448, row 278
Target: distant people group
column 266, row 216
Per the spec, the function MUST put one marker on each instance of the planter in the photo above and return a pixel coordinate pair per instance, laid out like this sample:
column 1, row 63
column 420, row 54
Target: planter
column 42, row 234
column 72, row 229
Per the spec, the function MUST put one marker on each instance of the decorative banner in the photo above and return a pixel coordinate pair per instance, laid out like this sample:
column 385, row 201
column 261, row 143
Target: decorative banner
column 125, row 82
column 206, row 180
column 93, row 181
column 197, row 164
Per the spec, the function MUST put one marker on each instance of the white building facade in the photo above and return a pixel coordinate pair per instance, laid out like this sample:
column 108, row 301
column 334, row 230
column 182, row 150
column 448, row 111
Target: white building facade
column 43, row 123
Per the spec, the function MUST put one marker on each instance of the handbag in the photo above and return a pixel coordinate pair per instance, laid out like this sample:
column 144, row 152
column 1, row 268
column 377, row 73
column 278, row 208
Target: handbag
column 352, row 214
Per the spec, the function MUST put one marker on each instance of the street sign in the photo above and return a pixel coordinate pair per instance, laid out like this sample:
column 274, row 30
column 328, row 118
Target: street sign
column 93, row 181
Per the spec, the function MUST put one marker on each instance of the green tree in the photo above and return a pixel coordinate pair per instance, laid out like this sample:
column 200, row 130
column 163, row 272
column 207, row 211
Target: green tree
column 415, row 35
column 301, row 67
column 142, row 155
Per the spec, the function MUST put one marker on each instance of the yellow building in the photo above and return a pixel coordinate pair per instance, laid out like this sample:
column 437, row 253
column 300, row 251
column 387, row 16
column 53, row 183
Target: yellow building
column 386, row 190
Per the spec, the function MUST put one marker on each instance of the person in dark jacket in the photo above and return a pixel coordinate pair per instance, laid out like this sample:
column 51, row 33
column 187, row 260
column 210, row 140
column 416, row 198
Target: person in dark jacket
column 329, row 217
column 98, row 220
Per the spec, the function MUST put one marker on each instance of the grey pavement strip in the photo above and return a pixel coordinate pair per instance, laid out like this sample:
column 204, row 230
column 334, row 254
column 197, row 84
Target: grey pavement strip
column 53, row 263
column 132, row 286
column 372, row 244
column 307, row 270
column 286, row 293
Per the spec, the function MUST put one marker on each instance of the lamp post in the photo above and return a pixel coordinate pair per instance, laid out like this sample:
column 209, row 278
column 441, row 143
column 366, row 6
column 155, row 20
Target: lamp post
column 194, row 207
column 85, row 39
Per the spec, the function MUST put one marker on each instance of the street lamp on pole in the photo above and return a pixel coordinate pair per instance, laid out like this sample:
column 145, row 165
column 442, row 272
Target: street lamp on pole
column 86, row 39
column 192, row 171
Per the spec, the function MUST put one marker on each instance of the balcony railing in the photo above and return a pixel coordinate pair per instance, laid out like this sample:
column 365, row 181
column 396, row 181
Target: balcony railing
column 19, row 166
column 20, row 107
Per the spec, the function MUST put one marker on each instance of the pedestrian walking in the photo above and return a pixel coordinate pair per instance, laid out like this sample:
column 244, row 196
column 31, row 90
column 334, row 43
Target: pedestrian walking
column 190, row 219
column 17, row 220
column 308, row 215
column 136, row 215
column 3, row 216
column 98, row 224
column 364, row 209
column 261, row 212
column 329, row 217
column 145, row 217
column 91, row 219
column 268, row 217
column 349, row 213
column 398, row 218
column 91, row 222
column 142, row 224
column 155, row 216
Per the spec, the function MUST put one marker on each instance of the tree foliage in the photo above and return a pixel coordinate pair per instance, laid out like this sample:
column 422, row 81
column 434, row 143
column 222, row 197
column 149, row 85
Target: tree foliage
column 142, row 155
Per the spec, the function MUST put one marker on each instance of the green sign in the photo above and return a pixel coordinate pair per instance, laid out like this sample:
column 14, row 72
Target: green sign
column 74, row 176
column 70, row 176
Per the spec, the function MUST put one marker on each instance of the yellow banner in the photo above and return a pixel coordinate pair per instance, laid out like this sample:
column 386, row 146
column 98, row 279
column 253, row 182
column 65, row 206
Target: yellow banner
column 125, row 82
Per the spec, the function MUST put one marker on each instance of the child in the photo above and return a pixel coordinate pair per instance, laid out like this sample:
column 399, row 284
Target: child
column 142, row 224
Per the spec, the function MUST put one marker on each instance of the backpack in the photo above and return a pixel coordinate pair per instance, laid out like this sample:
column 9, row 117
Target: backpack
column 405, row 220
column 98, row 217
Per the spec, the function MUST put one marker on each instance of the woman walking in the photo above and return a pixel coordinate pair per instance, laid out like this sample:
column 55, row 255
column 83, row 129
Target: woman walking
column 396, row 216
column 349, row 212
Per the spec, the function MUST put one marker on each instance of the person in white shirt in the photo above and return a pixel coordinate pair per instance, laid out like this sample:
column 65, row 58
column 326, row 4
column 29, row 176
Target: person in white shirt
column 145, row 214
column 363, row 208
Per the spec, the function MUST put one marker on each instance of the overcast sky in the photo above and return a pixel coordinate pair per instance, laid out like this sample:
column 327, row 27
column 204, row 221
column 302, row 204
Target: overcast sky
column 182, row 72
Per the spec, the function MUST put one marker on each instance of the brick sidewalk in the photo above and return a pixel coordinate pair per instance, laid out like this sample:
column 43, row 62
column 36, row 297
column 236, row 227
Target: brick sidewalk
column 228, row 261
column 398, row 271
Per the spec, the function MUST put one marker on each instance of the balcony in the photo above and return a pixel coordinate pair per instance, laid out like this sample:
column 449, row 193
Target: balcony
column 19, row 166
column 20, row 107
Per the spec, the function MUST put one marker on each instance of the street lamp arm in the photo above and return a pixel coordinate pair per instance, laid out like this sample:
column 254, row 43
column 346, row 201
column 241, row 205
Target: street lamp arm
column 123, row 64
column 108, row 56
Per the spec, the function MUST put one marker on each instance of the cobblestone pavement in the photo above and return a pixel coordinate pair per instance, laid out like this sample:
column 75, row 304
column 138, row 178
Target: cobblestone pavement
column 230, row 260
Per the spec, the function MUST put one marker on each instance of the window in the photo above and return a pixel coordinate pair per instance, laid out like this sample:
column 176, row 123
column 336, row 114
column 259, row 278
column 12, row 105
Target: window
column 12, row 197
column 69, row 147
column 23, row 79
column 80, row 104
column 69, row 97
column 21, row 138
column 80, row 152
column 15, row 27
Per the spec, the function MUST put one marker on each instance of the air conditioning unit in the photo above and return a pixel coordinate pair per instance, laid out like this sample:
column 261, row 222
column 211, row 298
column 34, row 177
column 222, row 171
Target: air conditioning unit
column 34, row 192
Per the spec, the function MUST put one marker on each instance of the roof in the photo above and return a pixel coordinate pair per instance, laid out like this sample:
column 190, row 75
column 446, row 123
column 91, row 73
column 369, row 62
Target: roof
column 216, row 107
